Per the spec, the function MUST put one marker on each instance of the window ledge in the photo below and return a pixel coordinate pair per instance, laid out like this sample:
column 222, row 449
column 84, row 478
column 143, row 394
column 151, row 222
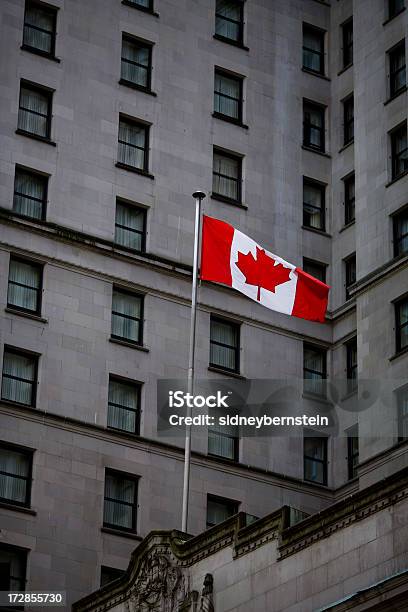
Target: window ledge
column 226, row 200
column 313, row 483
column 316, row 398
column 140, row 8
column 396, row 95
column 137, row 87
column 312, row 150
column 226, row 372
column 8, row 402
column 27, row 315
column 347, row 225
column 230, row 120
column 133, row 345
column 344, row 69
column 134, row 169
column 123, row 533
column 230, row 41
column 394, row 16
column 36, row 137
column 346, row 146
column 400, row 353
column 316, row 231
column 316, row 74
column 397, row 178
column 23, row 509
column 40, row 53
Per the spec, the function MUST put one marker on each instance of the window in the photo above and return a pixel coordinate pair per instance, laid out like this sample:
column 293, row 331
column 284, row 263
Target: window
column 219, row 509
column 133, row 149
column 40, row 28
column 120, row 508
column 30, row 193
column 395, row 7
column 313, row 126
column 34, row 113
column 228, row 96
column 24, row 286
column 400, row 222
column 127, row 316
column 397, row 69
column 349, row 200
column 15, row 475
column 136, row 63
column 108, row 574
column 224, row 344
column 399, row 151
column 402, row 412
column 348, row 110
column 351, row 356
column 315, row 458
column 350, row 266
column 315, row 269
column 352, row 451
column 130, row 226
column 144, row 5
column 223, row 441
column 347, row 32
column 19, row 377
column 124, row 405
column 313, row 205
column 229, row 20
column 314, row 370
column 313, row 49
column 401, row 324
column 13, row 564
column 227, row 176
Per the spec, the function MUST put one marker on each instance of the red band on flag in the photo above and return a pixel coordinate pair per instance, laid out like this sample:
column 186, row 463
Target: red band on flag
column 216, row 251
column 311, row 298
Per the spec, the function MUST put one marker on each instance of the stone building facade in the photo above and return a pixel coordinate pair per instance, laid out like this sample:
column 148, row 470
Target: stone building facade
column 112, row 113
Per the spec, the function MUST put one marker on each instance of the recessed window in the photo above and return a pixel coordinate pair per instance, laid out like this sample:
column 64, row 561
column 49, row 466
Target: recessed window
column 120, row 507
column 223, row 441
column 314, row 370
column 352, row 451
column 124, row 405
column 136, row 63
column 349, row 200
column 19, row 377
column 347, row 35
column 348, row 113
column 400, row 222
column 34, row 113
column 130, row 226
column 313, row 49
column 399, row 151
column 30, row 193
column 13, row 566
column 127, row 316
column 227, row 176
column 313, row 205
column 395, row 7
column 224, row 344
column 402, row 413
column 313, row 126
column 109, row 574
column 315, row 269
column 229, row 20
column 351, row 359
column 15, row 475
column 315, row 458
column 219, row 509
column 133, row 149
column 401, row 324
column 228, row 96
column 24, row 286
column 396, row 58
column 146, row 5
column 40, row 28
column 351, row 273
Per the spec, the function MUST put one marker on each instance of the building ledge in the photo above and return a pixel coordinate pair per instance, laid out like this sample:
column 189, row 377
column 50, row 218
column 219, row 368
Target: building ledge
column 123, row 533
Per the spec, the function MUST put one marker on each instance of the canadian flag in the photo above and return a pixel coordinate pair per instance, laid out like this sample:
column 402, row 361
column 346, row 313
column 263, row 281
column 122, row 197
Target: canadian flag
column 230, row 257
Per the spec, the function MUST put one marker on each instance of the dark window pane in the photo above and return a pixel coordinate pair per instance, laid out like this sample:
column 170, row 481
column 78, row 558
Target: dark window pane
column 351, row 350
column 228, row 96
column 313, row 49
column 34, row 111
column 145, row 4
column 399, row 151
column 313, row 126
column 223, row 441
column 224, row 345
column 402, row 408
column 19, row 377
column 227, row 176
column 315, row 269
column 39, row 28
column 352, row 451
column 123, row 406
column 350, row 264
column 132, row 144
column 348, row 43
column 108, row 574
column 401, row 313
column 229, row 19
column 397, row 69
column 120, row 501
column 29, row 194
column 135, row 64
column 313, row 205
column 130, row 226
column 348, row 108
column 314, row 370
column 219, row 510
column 401, row 233
column 315, row 459
column 127, row 316
column 12, row 569
column 15, row 478
column 349, row 200
column 24, row 285
column 395, row 7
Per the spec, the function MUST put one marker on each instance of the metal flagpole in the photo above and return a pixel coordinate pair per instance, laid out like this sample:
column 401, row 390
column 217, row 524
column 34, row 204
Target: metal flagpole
column 199, row 197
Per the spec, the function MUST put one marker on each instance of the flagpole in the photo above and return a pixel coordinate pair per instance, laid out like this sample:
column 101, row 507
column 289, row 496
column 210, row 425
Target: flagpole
column 199, row 197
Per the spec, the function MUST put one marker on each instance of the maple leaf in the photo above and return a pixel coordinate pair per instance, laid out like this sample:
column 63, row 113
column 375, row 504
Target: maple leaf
column 262, row 271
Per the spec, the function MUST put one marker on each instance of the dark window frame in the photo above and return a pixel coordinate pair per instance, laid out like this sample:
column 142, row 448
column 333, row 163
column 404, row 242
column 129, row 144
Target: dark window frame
column 322, row 374
column 140, row 7
column 398, row 236
column 240, row 23
column 53, row 12
column 308, row 126
column 348, row 120
column 113, row 570
column 238, row 180
column 39, row 290
column 29, row 453
column 139, row 342
column 398, row 325
column 23, row 553
column 34, row 383
column 352, row 452
column 351, row 366
column 237, row 349
column 44, row 201
column 219, row 434
column 48, row 93
column 232, row 503
column 141, row 44
column 125, row 476
column 322, row 187
column 240, row 80
column 349, row 201
column 324, row 462
column 312, row 263
column 393, row 71
column 146, row 149
column 321, row 54
column 396, row 156
column 350, row 273
column 393, row 9
column 347, row 42
column 142, row 233
column 402, row 419
column 138, row 389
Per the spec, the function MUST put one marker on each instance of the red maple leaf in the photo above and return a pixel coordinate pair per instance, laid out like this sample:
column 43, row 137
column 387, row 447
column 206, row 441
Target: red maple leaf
column 262, row 271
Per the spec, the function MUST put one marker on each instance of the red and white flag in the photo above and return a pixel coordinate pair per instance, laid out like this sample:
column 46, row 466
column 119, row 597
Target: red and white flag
column 230, row 257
